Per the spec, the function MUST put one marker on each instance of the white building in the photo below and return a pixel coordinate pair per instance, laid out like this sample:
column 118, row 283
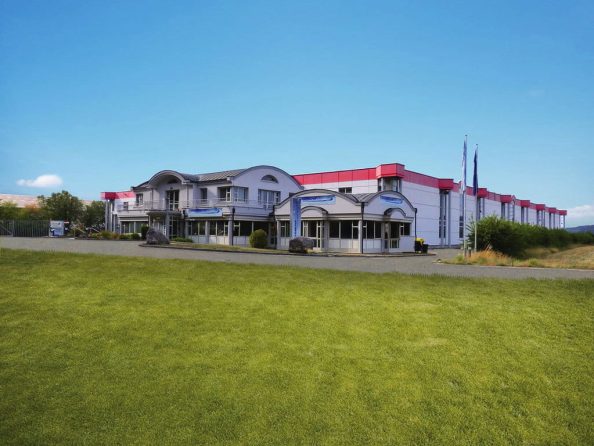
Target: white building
column 380, row 209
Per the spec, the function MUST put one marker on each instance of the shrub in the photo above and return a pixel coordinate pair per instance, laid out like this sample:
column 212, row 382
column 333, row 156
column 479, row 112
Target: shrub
column 513, row 239
column 143, row 230
column 182, row 239
column 108, row 235
column 259, row 239
column 135, row 236
column 125, row 236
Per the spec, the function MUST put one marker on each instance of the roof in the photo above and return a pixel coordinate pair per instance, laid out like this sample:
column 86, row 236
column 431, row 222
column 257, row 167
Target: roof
column 217, row 176
column 362, row 197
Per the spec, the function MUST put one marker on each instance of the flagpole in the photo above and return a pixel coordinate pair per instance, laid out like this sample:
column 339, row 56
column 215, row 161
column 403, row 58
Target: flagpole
column 464, row 196
column 476, row 197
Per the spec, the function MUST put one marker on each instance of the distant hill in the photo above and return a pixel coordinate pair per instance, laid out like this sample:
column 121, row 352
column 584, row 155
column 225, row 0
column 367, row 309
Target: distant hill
column 587, row 228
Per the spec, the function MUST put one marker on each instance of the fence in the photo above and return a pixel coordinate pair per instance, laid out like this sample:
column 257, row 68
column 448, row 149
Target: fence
column 24, row 228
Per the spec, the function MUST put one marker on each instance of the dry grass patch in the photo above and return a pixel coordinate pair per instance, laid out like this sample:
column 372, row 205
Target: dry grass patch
column 576, row 257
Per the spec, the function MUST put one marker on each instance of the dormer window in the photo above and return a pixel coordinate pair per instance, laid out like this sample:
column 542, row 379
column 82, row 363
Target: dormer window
column 269, row 178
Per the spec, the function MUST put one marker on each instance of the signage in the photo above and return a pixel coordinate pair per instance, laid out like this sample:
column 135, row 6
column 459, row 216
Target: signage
column 391, row 200
column 206, row 212
column 319, row 199
column 295, row 217
column 56, row 228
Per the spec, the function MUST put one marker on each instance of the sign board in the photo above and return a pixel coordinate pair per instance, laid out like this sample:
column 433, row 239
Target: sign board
column 56, row 228
column 295, row 217
column 206, row 212
column 391, row 200
column 319, row 199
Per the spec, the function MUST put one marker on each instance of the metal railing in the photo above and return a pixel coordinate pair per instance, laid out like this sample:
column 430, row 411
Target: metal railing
column 24, row 228
column 165, row 205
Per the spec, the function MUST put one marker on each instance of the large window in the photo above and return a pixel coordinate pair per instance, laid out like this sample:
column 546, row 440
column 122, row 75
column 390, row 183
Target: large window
column 219, row 227
column 196, row 228
column 240, row 194
column 225, row 193
column 203, row 194
column 172, row 198
column 345, row 190
column 128, row 227
column 372, row 229
column 268, row 197
column 344, row 229
column 139, row 199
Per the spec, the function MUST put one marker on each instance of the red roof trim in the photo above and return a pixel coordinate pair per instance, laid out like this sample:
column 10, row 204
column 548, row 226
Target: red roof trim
column 116, row 195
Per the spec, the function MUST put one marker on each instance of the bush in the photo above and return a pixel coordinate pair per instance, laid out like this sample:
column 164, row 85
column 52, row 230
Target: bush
column 143, row 230
column 108, row 235
column 135, row 236
column 182, row 239
column 259, row 239
column 513, row 239
column 125, row 236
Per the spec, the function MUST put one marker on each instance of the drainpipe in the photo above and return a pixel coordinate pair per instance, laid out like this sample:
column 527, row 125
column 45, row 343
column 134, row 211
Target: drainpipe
column 415, row 224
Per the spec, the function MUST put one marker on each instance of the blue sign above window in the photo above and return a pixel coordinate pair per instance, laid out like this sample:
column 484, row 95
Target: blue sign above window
column 319, row 199
column 391, row 200
column 207, row 212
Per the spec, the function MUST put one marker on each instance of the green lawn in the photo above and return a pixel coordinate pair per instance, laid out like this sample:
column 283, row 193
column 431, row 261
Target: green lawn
column 113, row 350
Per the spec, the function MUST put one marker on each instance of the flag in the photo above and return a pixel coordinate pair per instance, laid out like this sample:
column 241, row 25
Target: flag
column 475, row 176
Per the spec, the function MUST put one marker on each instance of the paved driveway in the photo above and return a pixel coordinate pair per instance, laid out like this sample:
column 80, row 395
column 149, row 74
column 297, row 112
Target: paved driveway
column 408, row 265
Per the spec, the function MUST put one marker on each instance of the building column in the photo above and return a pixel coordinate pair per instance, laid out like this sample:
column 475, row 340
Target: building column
column 361, row 236
column 278, row 233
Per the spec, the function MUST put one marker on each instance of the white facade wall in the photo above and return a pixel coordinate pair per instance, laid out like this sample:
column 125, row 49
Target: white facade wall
column 426, row 200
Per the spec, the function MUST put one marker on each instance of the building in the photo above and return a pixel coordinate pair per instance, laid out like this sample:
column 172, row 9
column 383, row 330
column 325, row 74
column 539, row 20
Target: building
column 371, row 210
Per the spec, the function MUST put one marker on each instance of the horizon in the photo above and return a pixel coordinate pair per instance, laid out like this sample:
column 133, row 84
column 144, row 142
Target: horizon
column 100, row 96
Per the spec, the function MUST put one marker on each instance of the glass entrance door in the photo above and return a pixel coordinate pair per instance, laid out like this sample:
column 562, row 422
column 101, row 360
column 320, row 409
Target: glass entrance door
column 391, row 236
column 314, row 229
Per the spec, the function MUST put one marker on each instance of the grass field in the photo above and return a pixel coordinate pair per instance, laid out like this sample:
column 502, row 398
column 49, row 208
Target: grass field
column 114, row 350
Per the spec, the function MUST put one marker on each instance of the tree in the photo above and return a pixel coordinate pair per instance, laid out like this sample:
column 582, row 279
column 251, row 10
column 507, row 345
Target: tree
column 94, row 214
column 62, row 206
column 8, row 210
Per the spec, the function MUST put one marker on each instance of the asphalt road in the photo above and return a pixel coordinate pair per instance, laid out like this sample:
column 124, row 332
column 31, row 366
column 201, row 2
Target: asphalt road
column 407, row 265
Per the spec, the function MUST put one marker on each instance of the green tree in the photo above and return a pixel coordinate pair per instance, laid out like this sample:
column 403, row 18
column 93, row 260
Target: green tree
column 62, row 206
column 94, row 214
column 8, row 210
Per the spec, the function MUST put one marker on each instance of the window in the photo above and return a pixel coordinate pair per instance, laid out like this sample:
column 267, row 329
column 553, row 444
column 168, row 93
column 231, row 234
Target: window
column 203, row 194
column 196, row 228
column 405, row 229
column 139, row 199
column 372, row 229
column 345, row 190
column 285, row 229
column 392, row 183
column 344, row 229
column 268, row 197
column 334, row 229
column 269, row 178
column 125, row 205
column 242, row 228
column 172, row 199
column 240, row 194
column 225, row 193
column 443, row 215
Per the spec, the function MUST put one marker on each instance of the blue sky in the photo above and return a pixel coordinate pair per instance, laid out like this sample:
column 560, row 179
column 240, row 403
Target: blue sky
column 104, row 94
